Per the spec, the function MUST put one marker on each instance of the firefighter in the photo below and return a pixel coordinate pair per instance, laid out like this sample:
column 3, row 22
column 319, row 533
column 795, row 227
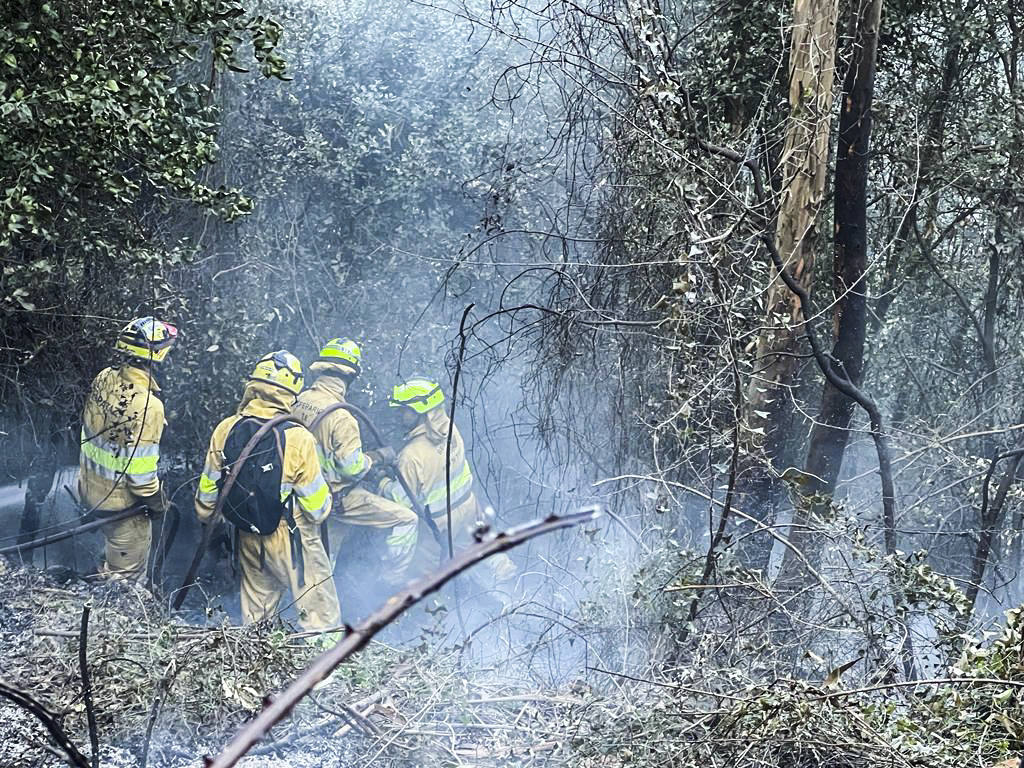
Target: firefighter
column 290, row 557
column 122, row 423
column 348, row 469
column 423, row 462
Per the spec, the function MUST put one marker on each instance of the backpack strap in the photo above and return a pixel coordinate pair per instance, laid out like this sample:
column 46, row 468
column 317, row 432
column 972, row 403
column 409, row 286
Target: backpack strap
column 325, row 413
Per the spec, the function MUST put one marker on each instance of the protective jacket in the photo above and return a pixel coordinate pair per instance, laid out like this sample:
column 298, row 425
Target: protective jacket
column 122, row 424
column 422, row 462
column 339, row 443
column 344, row 464
column 268, row 566
column 121, row 429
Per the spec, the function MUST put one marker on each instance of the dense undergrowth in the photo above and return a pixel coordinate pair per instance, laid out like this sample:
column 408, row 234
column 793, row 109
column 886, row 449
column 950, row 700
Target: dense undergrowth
column 437, row 702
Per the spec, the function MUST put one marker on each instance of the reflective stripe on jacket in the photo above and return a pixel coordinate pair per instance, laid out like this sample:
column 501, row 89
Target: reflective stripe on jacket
column 301, row 477
column 339, row 443
column 122, row 424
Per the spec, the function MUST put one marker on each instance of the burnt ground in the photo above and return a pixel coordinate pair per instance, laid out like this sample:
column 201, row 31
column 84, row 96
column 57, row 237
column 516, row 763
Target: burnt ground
column 390, row 707
column 418, row 697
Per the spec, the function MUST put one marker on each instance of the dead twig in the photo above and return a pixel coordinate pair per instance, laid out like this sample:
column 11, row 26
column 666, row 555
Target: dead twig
column 711, row 559
column 163, row 687
column 83, row 666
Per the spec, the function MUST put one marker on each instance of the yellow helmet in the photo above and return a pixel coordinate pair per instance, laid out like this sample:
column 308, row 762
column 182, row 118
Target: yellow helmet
column 147, row 338
column 281, row 368
column 344, row 353
column 420, row 394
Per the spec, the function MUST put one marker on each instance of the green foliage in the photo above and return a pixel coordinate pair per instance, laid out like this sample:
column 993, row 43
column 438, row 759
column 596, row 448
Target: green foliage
column 368, row 170
column 712, row 718
column 105, row 105
column 108, row 123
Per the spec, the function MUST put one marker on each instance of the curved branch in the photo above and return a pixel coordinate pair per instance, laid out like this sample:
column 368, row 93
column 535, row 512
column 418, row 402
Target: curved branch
column 451, row 429
column 851, row 390
column 26, row 702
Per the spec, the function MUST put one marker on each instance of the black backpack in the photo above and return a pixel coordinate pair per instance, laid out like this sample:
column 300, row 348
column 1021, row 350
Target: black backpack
column 253, row 502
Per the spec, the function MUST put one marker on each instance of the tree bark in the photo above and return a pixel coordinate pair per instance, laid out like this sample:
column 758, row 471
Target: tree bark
column 830, row 433
column 991, row 523
column 804, row 165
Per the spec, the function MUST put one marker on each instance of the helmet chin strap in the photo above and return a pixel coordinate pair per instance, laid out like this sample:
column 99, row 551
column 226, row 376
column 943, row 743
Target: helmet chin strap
column 135, row 361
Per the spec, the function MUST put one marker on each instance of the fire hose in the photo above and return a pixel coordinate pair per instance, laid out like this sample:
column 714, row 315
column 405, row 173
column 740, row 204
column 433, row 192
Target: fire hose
column 67, row 534
column 172, row 515
column 418, row 508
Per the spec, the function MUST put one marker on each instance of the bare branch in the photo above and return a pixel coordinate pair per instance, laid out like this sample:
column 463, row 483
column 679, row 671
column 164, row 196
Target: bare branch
column 26, row 702
column 83, row 666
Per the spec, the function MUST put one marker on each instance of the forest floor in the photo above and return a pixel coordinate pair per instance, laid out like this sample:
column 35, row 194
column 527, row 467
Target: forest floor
column 169, row 689
column 175, row 692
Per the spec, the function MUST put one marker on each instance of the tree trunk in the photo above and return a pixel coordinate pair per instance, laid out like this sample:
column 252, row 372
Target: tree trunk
column 991, row 524
column 830, row 433
column 804, row 165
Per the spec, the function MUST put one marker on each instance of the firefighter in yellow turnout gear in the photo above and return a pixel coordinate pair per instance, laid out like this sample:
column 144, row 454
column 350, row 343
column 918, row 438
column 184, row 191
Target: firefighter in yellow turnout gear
column 422, row 462
column 346, row 466
column 122, row 424
column 290, row 558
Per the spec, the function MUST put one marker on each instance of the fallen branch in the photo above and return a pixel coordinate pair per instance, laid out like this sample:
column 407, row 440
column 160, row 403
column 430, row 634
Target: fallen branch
column 162, row 689
column 998, row 681
column 353, row 718
column 480, row 753
column 49, row 721
column 279, row 707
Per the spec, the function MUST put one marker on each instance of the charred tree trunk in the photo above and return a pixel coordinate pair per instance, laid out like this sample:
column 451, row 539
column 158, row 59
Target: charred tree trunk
column 830, row 434
column 804, row 165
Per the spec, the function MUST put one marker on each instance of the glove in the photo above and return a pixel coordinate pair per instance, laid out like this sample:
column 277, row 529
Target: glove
column 156, row 504
column 384, row 456
column 377, row 473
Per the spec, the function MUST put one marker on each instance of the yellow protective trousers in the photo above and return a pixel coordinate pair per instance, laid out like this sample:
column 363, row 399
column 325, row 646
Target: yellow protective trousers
column 359, row 508
column 269, row 571
column 127, row 548
column 493, row 573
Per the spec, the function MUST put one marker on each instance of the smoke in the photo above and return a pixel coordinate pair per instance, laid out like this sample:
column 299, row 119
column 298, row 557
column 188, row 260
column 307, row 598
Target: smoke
column 383, row 175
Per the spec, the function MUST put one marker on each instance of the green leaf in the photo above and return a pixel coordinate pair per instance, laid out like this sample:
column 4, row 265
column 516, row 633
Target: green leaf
column 113, row 86
column 10, row 61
